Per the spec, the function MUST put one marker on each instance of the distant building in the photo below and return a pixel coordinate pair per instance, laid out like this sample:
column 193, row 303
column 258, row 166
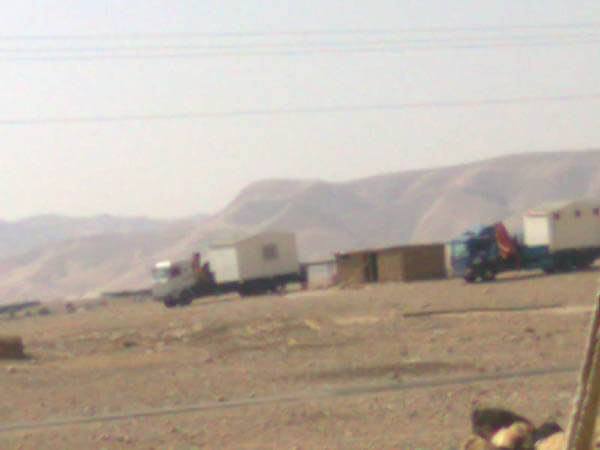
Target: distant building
column 321, row 274
column 403, row 263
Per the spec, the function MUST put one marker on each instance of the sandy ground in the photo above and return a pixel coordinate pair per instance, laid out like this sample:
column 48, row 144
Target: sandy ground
column 302, row 371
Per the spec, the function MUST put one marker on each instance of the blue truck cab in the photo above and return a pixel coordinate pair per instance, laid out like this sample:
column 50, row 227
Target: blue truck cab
column 473, row 248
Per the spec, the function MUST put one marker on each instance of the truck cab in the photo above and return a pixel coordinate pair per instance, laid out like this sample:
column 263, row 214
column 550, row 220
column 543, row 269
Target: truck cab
column 475, row 254
column 179, row 282
column 483, row 252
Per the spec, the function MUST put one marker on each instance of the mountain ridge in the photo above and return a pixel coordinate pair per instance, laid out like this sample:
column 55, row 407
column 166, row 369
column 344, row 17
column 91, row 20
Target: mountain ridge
column 380, row 210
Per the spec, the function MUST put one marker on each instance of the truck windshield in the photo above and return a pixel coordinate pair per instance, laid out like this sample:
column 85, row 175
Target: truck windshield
column 459, row 251
column 161, row 275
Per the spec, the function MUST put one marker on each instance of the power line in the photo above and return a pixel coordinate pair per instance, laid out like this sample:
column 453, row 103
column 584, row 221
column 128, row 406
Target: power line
column 300, row 110
column 470, row 40
column 319, row 32
column 183, row 52
column 196, row 45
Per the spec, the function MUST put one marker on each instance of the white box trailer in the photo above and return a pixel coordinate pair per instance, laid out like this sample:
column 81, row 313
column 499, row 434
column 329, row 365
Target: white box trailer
column 265, row 255
column 563, row 226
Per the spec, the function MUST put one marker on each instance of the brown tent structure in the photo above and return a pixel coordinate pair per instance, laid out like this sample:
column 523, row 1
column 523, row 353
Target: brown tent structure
column 402, row 263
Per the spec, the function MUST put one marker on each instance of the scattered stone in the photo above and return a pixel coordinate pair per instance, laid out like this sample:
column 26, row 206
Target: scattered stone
column 128, row 344
column 178, row 333
column 312, row 325
column 43, row 311
column 116, row 336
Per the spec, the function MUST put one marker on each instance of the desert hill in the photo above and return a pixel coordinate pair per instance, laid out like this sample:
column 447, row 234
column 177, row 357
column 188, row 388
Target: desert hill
column 51, row 257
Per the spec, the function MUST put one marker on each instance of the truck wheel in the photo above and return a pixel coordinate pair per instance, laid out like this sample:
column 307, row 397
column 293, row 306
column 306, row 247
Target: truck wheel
column 244, row 291
column 280, row 289
column 566, row 264
column 170, row 303
column 470, row 276
column 185, row 298
column 582, row 264
column 488, row 274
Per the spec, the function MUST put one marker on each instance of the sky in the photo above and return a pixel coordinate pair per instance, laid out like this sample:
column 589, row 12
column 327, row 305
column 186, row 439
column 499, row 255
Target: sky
column 167, row 109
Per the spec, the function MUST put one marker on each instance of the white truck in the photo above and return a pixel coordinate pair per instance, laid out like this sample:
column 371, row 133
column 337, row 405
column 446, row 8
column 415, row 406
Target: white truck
column 250, row 266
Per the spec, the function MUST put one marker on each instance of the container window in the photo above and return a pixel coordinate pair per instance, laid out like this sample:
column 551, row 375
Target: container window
column 270, row 251
column 577, row 213
column 556, row 216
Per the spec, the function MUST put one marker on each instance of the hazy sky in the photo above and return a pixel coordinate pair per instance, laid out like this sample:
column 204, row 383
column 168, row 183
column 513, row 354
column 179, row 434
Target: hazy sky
column 169, row 108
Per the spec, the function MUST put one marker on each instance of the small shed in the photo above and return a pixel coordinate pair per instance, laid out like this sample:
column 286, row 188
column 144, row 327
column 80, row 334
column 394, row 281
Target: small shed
column 562, row 225
column 321, row 274
column 402, row 263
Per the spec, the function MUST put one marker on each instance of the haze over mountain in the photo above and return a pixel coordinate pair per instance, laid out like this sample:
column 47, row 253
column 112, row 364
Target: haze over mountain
column 27, row 234
column 49, row 257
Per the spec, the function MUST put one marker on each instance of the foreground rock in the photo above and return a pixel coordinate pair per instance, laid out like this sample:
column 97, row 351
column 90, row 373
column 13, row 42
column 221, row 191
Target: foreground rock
column 496, row 428
column 11, row 347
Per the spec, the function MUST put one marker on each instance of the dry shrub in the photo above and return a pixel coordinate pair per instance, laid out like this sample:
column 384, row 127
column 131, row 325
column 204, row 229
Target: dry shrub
column 11, row 347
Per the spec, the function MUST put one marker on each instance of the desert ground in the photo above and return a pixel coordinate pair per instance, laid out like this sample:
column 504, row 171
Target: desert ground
column 397, row 365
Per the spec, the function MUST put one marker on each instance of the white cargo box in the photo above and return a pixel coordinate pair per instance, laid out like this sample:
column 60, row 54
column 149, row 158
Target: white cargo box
column 260, row 256
column 563, row 225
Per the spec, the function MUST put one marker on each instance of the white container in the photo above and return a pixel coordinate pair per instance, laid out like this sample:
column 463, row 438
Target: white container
column 564, row 225
column 263, row 255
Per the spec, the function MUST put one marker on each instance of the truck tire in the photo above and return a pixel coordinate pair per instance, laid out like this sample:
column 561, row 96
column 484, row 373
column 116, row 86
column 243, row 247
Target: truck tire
column 185, row 298
column 583, row 263
column 170, row 303
column 488, row 274
column 470, row 276
column 566, row 263
column 549, row 270
column 244, row 291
